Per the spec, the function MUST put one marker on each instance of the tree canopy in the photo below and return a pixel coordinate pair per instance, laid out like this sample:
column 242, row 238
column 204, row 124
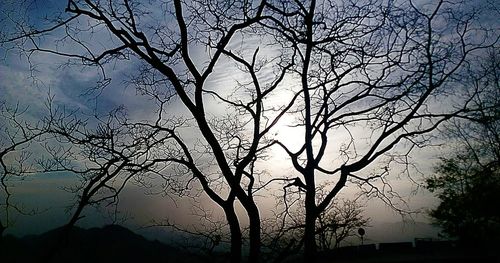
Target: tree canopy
column 468, row 181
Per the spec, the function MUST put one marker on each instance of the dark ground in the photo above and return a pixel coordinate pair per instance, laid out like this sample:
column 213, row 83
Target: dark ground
column 108, row 244
column 117, row 244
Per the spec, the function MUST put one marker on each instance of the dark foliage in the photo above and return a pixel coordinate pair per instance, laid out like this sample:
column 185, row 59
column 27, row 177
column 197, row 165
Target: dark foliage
column 468, row 193
column 468, row 182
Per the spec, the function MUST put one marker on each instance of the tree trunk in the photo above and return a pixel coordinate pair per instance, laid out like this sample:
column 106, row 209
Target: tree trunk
column 255, row 238
column 309, row 236
column 2, row 228
column 236, row 236
column 311, row 216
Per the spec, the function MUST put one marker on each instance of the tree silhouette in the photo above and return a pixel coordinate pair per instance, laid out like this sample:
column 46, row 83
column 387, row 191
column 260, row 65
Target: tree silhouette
column 374, row 67
column 467, row 180
column 16, row 136
column 123, row 148
column 341, row 68
column 341, row 220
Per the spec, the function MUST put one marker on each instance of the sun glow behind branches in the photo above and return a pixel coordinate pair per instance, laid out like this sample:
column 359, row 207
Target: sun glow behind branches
column 226, row 77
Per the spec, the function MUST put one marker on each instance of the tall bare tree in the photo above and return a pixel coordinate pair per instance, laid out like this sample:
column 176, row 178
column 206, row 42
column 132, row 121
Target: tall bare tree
column 118, row 146
column 375, row 70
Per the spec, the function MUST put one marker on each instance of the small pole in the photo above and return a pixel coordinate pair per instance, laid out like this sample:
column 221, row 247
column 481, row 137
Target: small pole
column 361, row 232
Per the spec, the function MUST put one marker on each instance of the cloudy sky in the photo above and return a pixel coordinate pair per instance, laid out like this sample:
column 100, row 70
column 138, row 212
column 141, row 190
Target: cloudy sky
column 29, row 81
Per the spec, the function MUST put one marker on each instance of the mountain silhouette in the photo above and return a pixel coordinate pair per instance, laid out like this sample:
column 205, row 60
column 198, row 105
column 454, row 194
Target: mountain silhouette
column 108, row 244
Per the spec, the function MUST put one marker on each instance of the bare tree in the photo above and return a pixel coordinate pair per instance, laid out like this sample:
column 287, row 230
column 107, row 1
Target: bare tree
column 16, row 136
column 375, row 70
column 339, row 221
column 167, row 69
column 284, row 237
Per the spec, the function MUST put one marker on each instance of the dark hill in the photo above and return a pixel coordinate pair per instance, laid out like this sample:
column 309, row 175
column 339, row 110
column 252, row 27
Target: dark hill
column 109, row 244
